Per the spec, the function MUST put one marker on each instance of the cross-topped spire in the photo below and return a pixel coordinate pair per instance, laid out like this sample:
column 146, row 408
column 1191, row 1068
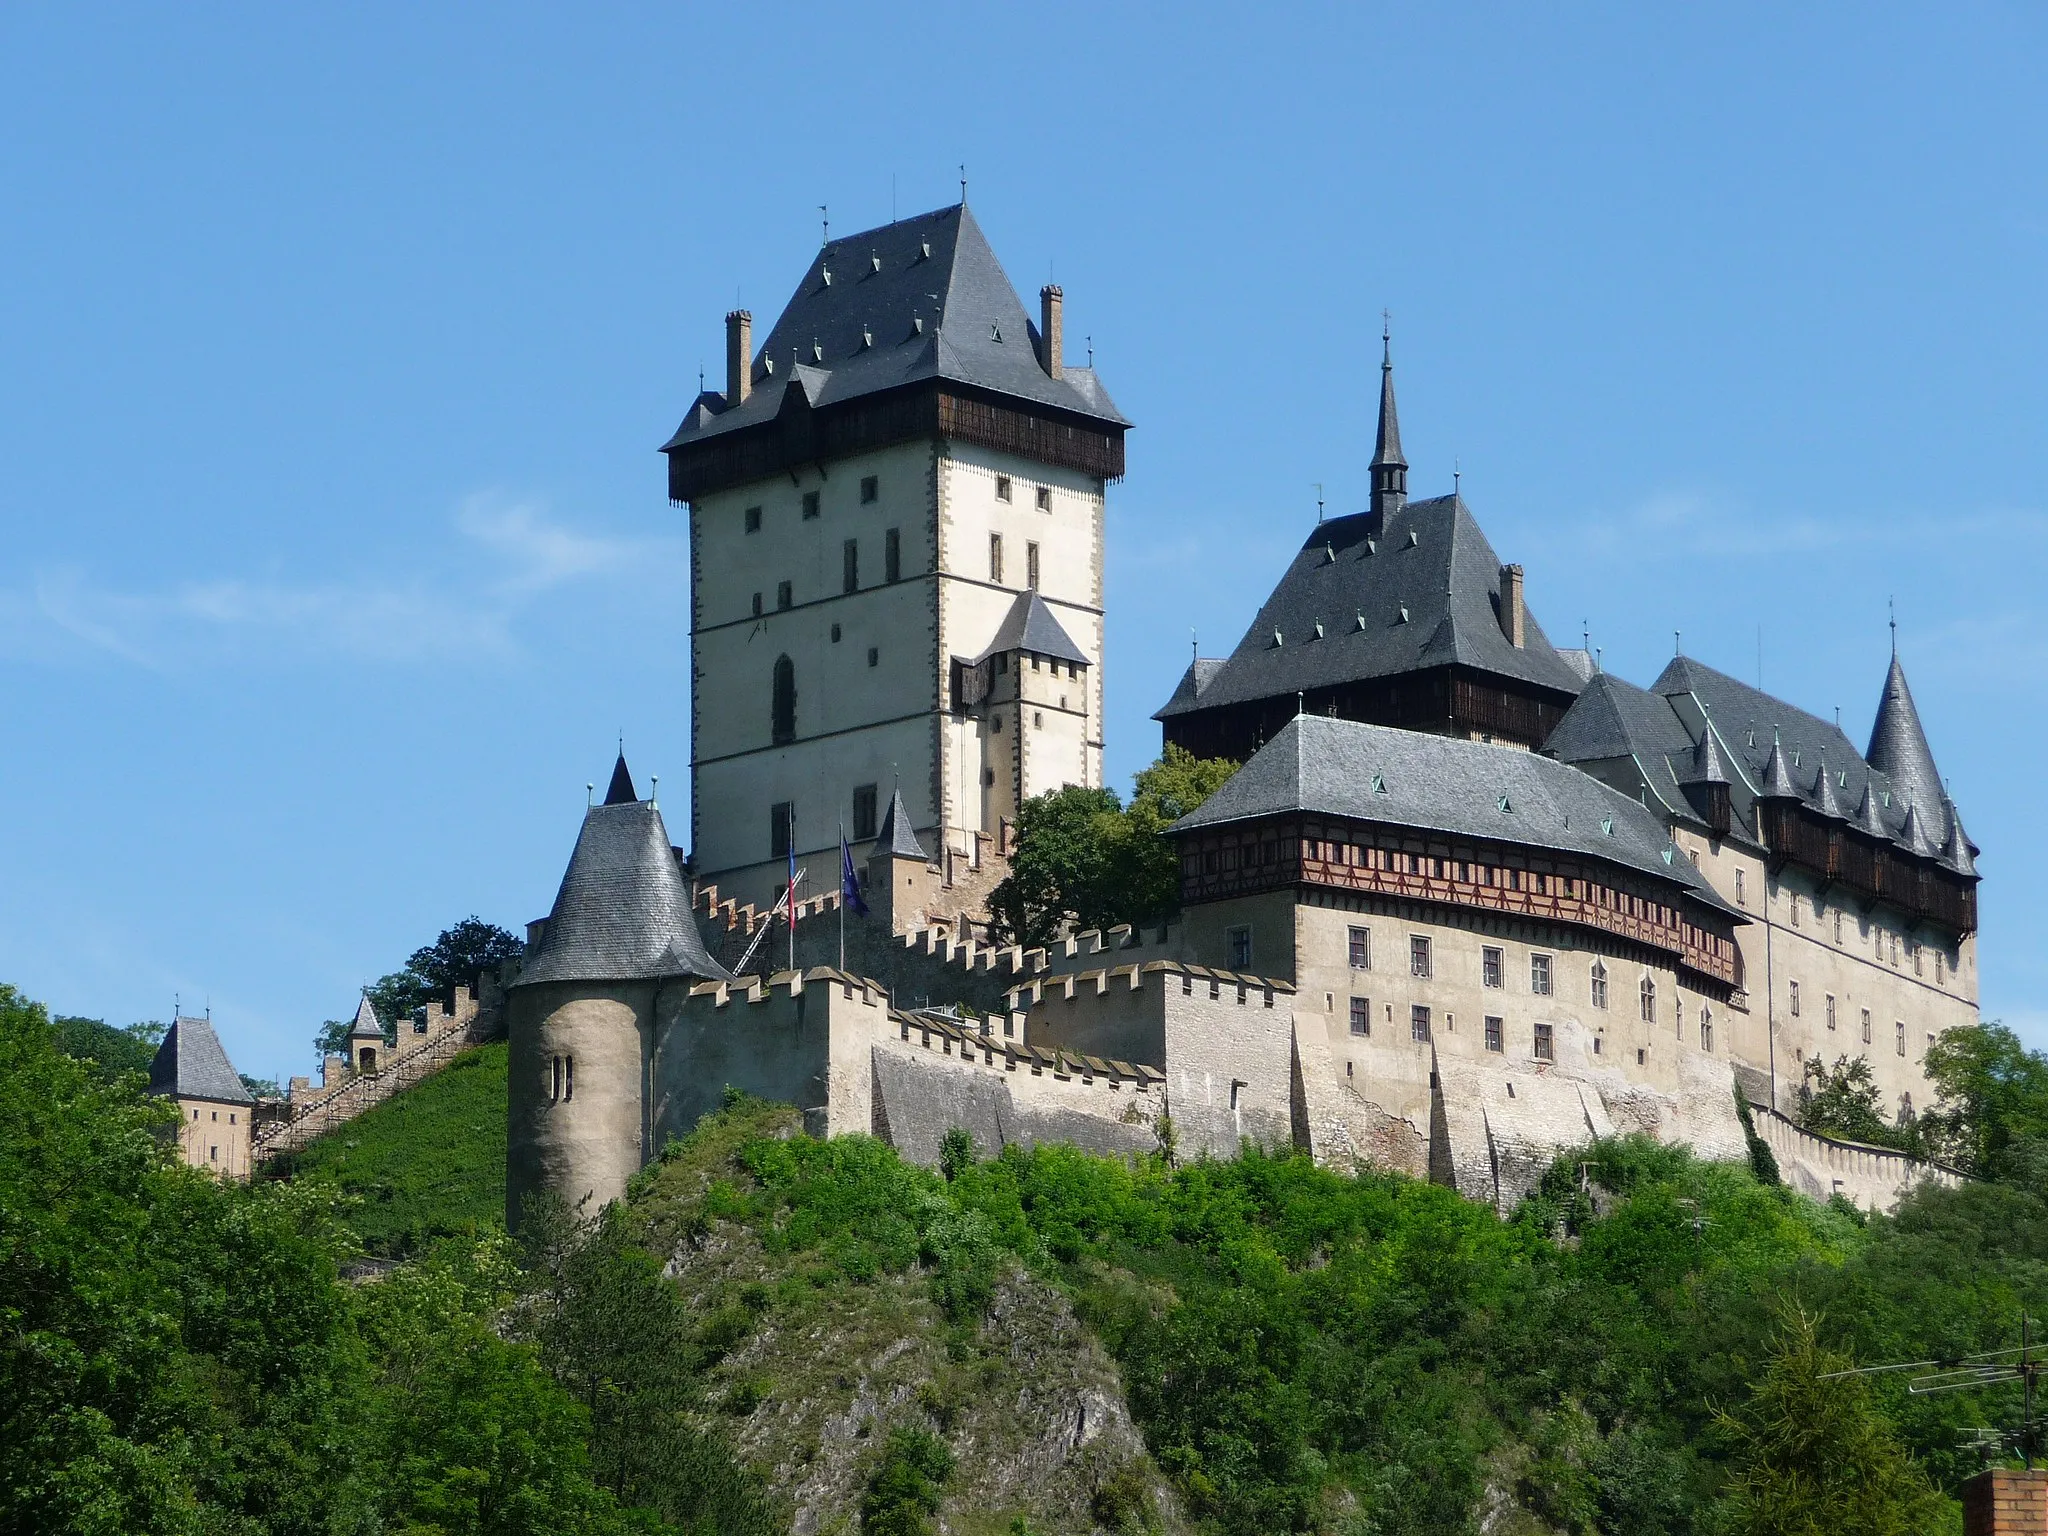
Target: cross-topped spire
column 1389, row 468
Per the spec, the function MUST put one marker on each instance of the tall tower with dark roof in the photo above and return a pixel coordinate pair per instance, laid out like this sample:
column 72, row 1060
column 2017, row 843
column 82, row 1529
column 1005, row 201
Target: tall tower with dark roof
column 896, row 533
column 1389, row 468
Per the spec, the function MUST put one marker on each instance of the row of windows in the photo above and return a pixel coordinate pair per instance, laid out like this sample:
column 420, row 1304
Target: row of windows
column 1492, row 964
column 216, row 1115
column 1898, row 1025
column 1006, row 491
column 1543, row 1036
column 866, row 822
column 995, row 562
column 1887, row 946
column 849, row 571
column 870, row 491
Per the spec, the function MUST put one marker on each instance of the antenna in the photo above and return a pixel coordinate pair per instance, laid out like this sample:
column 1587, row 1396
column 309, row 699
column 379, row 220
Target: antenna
column 1585, row 634
column 1960, row 1373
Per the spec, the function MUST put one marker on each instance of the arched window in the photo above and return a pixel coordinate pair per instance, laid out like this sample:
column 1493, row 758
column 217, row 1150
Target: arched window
column 1649, row 1001
column 782, row 723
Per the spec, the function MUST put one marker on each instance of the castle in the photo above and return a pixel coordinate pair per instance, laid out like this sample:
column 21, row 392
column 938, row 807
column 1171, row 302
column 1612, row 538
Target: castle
column 1469, row 900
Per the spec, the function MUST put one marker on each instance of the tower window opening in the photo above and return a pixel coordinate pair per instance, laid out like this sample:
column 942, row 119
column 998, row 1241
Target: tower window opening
column 782, row 703
column 870, row 488
column 864, row 823
column 568, row 1078
column 1031, row 566
column 753, row 520
column 1544, row 1046
column 785, row 595
column 892, row 555
column 1649, row 1000
column 1496, row 1034
column 995, row 558
column 1045, row 498
column 810, row 505
column 1002, row 487
column 849, row 576
column 781, row 815
column 1599, row 984
column 1418, row 1024
column 1361, row 1016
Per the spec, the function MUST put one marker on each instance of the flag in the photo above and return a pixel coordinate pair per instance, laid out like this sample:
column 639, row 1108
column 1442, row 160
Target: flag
column 849, row 881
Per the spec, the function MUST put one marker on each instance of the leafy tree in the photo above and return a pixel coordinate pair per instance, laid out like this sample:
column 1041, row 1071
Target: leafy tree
column 434, row 971
column 261, row 1087
column 1991, row 1118
column 1814, row 1454
column 1084, row 860
column 1844, row 1101
column 903, row 1494
column 114, row 1050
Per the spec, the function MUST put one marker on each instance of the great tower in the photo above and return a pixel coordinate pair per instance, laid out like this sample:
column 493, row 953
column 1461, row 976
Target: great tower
column 896, row 531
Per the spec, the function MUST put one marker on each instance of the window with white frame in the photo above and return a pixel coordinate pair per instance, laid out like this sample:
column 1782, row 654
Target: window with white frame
column 1599, row 984
column 1418, row 955
column 1490, row 967
column 1545, row 1045
column 1360, row 945
column 1418, row 1024
column 1539, row 975
column 1649, row 1000
column 1496, row 1033
column 1361, row 1015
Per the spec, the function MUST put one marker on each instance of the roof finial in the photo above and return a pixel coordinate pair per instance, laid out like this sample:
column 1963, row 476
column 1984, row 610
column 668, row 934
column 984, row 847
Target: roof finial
column 1892, row 606
column 589, row 795
column 1457, row 475
column 1091, row 351
column 963, row 186
column 1194, row 645
column 1389, row 468
column 1300, row 702
column 1319, row 499
column 825, row 219
column 1677, row 642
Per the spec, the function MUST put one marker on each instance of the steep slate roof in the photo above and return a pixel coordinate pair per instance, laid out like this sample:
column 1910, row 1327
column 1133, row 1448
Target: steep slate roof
column 1441, row 784
column 1357, row 576
column 367, row 1026
column 1898, row 745
column 623, row 912
column 895, row 837
column 192, row 1064
column 1197, row 677
column 923, row 298
column 1030, row 626
column 621, row 791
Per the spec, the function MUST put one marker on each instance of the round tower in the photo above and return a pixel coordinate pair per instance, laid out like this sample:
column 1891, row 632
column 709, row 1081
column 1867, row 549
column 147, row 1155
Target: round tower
column 610, row 965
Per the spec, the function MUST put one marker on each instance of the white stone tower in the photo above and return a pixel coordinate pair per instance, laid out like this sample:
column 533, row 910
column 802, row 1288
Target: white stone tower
column 896, row 533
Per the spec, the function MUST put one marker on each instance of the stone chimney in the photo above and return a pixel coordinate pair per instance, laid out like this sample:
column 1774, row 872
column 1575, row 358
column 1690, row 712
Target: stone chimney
column 1049, row 335
column 1514, row 616
column 739, row 357
column 2006, row 1501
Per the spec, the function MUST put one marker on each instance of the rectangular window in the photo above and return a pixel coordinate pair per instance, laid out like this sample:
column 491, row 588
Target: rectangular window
column 1490, row 966
column 1418, row 956
column 849, row 566
column 1002, row 487
column 1418, row 1024
column 780, row 814
column 1838, row 925
column 1496, row 1034
column 1598, row 986
column 1831, row 1010
column 1795, row 909
column 1741, row 896
column 863, row 812
column 753, row 519
column 784, row 595
column 757, row 605
column 1045, row 498
column 1239, row 939
column 995, row 558
column 1539, row 975
column 1795, row 999
column 1031, row 566
column 568, row 1078
column 1361, row 1015
column 1899, row 1030
column 1545, row 1045
column 1361, row 949
column 870, row 488
column 1866, row 1026
column 892, row 555
column 810, row 504
column 1706, row 1030
column 874, row 655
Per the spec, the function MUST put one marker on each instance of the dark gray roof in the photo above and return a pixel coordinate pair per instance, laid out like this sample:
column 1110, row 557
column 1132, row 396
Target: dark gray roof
column 1706, row 760
column 923, row 298
column 896, row 837
column 1614, row 718
column 621, row 791
column 1898, row 745
column 1869, row 818
column 367, row 1025
column 192, row 1064
column 1421, row 589
column 1441, row 784
column 1190, row 686
column 1776, row 780
column 1386, row 448
column 1030, row 626
column 1957, row 851
column 623, row 912
column 1824, row 799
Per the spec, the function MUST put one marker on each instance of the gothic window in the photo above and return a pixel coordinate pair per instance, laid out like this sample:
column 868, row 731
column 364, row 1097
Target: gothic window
column 1546, row 1043
column 863, row 813
column 1361, row 949
column 1418, row 958
column 1599, row 987
column 782, row 705
column 1706, row 1028
column 1496, row 1031
column 892, row 555
column 1489, row 966
column 1361, row 1016
column 1649, row 996
column 1539, row 975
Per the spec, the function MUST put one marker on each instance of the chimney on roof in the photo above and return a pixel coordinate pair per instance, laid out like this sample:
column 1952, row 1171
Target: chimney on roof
column 1514, row 614
column 1049, row 301
column 739, row 357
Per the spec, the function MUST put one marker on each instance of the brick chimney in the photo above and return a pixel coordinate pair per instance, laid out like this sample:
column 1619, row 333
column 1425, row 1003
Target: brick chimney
column 1514, row 617
column 2006, row 1502
column 739, row 357
column 1049, row 336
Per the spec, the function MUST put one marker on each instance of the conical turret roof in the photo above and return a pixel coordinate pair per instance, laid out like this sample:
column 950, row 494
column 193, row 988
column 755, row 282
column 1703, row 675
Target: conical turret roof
column 1957, row 851
column 1825, row 800
column 1869, row 817
column 1777, row 784
column 621, row 790
column 623, row 912
column 1707, row 767
column 1898, row 744
column 367, row 1025
column 896, row 839
column 1386, row 448
column 1913, row 836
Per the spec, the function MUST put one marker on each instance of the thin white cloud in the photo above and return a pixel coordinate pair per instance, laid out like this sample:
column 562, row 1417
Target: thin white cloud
column 467, row 608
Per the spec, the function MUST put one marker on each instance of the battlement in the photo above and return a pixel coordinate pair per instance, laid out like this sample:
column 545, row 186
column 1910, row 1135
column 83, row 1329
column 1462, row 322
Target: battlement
column 1066, row 986
column 970, row 1045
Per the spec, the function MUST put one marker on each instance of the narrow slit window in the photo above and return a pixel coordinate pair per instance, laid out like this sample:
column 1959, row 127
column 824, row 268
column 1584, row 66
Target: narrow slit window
column 995, row 558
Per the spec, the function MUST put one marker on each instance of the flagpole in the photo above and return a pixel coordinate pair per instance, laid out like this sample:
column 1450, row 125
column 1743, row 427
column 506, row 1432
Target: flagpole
column 842, row 898
column 792, row 885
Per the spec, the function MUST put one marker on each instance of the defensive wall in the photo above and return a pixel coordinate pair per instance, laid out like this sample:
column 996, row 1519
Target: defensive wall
column 1872, row 1178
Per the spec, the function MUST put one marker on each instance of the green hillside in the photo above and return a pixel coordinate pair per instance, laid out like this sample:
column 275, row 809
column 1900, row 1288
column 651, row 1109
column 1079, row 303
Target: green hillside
column 428, row 1163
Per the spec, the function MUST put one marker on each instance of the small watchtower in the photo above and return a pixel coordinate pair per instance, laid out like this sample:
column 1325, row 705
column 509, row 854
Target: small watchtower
column 365, row 1039
column 901, row 881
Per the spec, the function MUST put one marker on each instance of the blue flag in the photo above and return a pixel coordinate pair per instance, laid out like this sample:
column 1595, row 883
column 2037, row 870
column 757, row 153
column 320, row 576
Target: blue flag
column 849, row 882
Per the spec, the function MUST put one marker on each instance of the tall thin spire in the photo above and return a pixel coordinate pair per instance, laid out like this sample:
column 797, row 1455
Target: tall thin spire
column 1389, row 468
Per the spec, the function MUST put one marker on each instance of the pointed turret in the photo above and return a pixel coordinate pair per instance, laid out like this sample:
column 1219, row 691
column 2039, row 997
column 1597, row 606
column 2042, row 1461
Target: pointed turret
column 1707, row 767
column 1869, row 818
column 1825, row 800
column 1957, row 851
column 367, row 1027
column 621, row 791
column 1898, row 745
column 896, row 840
column 1389, row 468
column 1777, row 776
column 1914, row 836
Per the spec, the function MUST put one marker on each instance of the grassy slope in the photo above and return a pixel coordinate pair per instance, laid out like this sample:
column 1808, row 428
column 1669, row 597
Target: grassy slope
column 428, row 1163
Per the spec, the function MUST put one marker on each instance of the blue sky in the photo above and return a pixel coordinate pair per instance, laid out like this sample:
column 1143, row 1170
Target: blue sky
column 336, row 346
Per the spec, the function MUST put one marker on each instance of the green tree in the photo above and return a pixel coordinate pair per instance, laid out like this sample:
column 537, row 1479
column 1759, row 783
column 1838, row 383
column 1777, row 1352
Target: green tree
column 115, row 1050
column 1844, row 1101
column 434, row 971
column 1814, row 1457
column 1991, row 1118
column 904, row 1492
